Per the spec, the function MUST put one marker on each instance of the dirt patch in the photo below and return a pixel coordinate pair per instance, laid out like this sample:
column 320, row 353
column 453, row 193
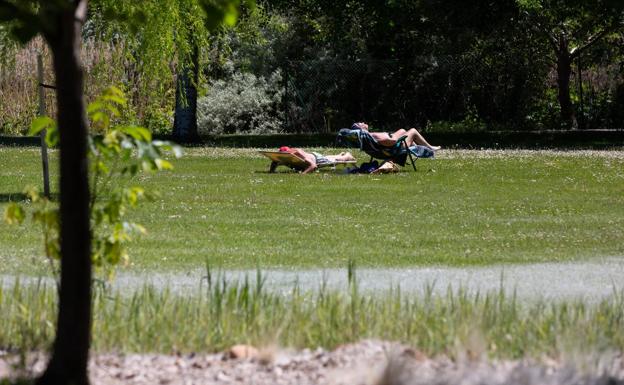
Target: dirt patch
column 366, row 363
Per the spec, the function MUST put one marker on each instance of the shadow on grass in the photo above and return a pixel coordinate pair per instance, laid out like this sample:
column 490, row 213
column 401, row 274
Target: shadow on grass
column 554, row 139
column 12, row 197
column 18, row 381
column 21, row 197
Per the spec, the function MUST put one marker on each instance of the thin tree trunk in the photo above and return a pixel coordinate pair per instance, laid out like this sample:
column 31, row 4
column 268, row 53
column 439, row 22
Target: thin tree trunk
column 68, row 364
column 185, row 119
column 564, row 70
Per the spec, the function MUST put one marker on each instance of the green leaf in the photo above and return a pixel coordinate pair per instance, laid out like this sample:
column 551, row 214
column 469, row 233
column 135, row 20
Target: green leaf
column 169, row 146
column 132, row 170
column 14, row 214
column 220, row 12
column 147, row 151
column 115, row 91
column 114, row 111
column 32, row 193
column 162, row 164
column 52, row 136
column 94, row 106
column 101, row 167
column 39, row 124
column 45, row 123
column 137, row 132
column 137, row 228
column 114, row 96
column 133, row 194
column 99, row 116
column 148, row 166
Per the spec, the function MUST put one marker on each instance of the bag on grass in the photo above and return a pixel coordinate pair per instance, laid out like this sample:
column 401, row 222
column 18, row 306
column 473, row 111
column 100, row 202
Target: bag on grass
column 366, row 168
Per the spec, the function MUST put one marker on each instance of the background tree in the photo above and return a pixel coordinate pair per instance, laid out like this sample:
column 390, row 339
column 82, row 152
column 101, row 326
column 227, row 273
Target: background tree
column 169, row 42
column 570, row 28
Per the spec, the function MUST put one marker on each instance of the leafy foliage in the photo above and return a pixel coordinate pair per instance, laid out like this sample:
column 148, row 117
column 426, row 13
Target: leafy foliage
column 120, row 150
column 245, row 103
column 160, row 38
column 500, row 57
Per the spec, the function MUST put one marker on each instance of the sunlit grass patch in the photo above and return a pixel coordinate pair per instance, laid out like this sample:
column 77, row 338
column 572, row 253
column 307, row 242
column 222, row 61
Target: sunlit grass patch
column 463, row 208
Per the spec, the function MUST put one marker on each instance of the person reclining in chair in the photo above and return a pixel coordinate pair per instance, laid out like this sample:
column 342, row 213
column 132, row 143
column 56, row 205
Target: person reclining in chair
column 387, row 139
column 314, row 159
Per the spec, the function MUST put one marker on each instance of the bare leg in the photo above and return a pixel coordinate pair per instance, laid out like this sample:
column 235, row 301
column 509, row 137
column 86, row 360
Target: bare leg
column 399, row 133
column 415, row 137
column 343, row 157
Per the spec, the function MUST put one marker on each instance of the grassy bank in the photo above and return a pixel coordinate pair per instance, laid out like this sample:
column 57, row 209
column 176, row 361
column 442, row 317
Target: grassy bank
column 463, row 208
column 224, row 314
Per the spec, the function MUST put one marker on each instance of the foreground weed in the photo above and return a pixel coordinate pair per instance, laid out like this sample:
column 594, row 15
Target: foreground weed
column 226, row 313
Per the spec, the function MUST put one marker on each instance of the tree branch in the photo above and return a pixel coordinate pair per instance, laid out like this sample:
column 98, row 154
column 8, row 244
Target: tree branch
column 540, row 28
column 591, row 41
column 80, row 13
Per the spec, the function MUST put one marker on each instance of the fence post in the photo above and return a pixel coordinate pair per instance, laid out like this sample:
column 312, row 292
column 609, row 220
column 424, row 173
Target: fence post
column 581, row 117
column 42, row 112
column 285, row 98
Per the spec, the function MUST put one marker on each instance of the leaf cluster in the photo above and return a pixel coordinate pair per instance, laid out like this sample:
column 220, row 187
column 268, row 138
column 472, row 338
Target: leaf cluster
column 46, row 215
column 23, row 18
column 576, row 20
column 121, row 151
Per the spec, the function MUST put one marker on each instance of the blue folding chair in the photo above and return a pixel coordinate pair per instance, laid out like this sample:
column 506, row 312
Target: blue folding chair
column 398, row 153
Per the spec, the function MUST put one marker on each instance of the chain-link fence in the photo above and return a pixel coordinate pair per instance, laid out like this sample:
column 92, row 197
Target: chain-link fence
column 324, row 95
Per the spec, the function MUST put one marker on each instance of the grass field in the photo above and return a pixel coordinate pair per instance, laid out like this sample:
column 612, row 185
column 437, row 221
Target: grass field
column 463, row 208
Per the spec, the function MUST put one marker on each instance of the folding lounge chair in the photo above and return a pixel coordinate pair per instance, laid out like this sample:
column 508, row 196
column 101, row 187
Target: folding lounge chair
column 398, row 153
column 294, row 162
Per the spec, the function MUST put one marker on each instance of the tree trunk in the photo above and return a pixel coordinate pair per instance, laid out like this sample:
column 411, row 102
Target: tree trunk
column 185, row 119
column 564, row 70
column 68, row 364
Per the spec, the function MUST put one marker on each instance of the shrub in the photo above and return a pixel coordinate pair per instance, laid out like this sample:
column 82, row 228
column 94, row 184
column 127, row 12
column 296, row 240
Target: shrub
column 242, row 103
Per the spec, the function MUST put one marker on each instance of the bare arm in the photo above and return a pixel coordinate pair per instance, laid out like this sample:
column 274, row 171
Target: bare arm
column 309, row 158
column 311, row 168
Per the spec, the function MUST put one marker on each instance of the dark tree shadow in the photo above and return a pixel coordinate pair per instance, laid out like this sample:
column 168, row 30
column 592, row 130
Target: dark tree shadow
column 13, row 197
column 20, row 141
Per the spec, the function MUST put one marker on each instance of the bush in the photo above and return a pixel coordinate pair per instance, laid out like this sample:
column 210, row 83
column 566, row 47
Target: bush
column 243, row 103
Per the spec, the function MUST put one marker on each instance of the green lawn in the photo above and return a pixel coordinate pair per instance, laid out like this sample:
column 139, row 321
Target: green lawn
column 465, row 207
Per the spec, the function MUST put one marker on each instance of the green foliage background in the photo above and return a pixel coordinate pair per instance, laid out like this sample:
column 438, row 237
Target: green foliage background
column 440, row 63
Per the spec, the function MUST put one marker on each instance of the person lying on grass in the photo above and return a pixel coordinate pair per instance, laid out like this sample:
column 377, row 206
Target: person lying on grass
column 388, row 139
column 314, row 159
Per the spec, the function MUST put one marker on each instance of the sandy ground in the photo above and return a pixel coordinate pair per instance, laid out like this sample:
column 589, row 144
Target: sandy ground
column 367, row 363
